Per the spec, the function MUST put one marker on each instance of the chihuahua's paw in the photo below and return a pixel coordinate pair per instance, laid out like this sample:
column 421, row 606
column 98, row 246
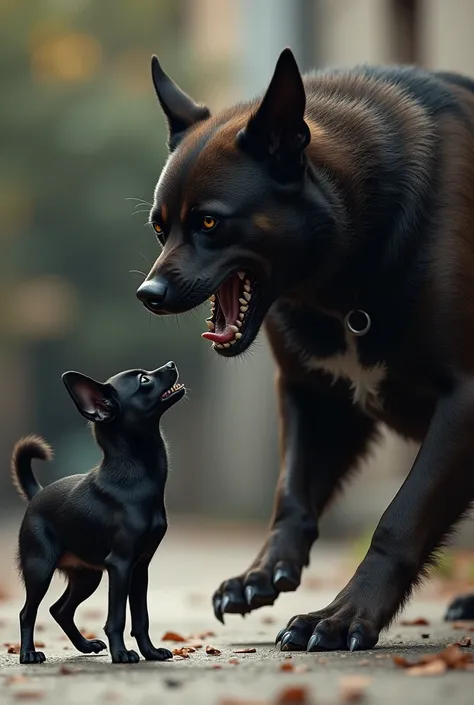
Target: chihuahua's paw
column 93, row 646
column 28, row 657
column 157, row 654
column 125, row 656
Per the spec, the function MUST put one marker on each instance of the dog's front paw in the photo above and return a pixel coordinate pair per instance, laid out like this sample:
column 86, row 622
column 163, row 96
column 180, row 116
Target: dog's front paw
column 461, row 608
column 157, row 654
column 323, row 631
column 30, row 657
column 277, row 569
column 125, row 656
column 93, row 646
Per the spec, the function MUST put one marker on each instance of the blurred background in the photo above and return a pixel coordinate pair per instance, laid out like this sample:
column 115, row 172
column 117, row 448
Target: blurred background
column 83, row 143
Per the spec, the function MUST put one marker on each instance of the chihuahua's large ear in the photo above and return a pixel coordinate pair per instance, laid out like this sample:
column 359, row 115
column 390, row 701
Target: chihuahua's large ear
column 180, row 110
column 95, row 401
column 277, row 129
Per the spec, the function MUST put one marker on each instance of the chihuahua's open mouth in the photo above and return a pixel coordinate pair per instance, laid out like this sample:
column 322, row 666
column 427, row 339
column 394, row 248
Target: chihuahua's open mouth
column 177, row 387
column 231, row 310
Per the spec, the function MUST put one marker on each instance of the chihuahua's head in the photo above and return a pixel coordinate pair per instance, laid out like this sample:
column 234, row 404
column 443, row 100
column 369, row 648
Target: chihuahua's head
column 132, row 401
column 236, row 209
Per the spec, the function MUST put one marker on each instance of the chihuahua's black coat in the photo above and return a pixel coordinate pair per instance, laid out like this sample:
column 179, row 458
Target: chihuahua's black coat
column 112, row 518
column 338, row 211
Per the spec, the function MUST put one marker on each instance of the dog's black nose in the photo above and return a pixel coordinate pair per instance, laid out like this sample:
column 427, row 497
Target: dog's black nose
column 171, row 365
column 152, row 294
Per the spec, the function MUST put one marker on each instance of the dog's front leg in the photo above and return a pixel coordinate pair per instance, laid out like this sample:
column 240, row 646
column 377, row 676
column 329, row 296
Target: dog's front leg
column 139, row 612
column 119, row 569
column 323, row 434
column 436, row 493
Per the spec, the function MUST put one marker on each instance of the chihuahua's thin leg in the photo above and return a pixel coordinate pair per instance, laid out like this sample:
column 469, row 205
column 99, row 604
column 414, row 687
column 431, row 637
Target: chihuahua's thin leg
column 120, row 574
column 139, row 612
column 38, row 571
column 82, row 583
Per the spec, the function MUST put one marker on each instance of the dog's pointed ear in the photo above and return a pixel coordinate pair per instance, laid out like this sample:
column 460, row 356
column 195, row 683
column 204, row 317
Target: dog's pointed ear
column 278, row 128
column 180, row 110
column 94, row 400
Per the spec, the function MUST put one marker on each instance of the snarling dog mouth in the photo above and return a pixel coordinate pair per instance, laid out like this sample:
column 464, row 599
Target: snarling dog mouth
column 232, row 308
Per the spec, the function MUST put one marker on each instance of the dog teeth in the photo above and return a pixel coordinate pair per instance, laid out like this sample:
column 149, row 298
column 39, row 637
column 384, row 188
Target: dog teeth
column 244, row 309
column 238, row 324
column 241, row 275
column 238, row 335
column 212, row 297
column 247, row 296
column 227, row 345
column 242, row 301
column 234, row 328
column 247, row 286
column 210, row 325
column 241, row 316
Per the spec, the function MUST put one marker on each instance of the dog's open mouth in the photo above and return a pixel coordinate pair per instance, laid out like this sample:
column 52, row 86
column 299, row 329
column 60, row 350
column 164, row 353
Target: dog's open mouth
column 231, row 310
column 177, row 387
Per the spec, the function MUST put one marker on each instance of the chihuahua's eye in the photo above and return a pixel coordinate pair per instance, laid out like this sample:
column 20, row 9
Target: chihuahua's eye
column 158, row 229
column 144, row 380
column 209, row 223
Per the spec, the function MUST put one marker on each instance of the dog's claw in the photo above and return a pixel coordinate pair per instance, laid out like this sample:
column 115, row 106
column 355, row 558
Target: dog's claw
column 285, row 641
column 225, row 603
column 314, row 642
column 250, row 593
column 279, row 635
column 217, row 604
column 354, row 644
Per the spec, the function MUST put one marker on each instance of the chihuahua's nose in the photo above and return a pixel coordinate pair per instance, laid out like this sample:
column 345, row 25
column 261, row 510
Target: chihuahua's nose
column 152, row 294
column 171, row 365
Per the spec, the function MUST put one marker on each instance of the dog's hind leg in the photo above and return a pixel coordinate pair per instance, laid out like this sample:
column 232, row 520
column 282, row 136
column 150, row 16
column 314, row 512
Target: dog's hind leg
column 38, row 562
column 462, row 607
column 82, row 583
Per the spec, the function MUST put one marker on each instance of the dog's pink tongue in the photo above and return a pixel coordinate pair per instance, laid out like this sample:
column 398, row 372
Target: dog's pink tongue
column 228, row 301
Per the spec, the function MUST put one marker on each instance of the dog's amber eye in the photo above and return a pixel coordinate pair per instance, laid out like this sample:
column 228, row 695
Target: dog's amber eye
column 158, row 229
column 208, row 222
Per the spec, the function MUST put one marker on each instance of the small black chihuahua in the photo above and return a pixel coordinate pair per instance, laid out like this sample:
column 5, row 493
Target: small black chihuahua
column 112, row 518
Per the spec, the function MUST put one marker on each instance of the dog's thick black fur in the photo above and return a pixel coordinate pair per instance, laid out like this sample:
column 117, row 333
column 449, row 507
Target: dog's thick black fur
column 112, row 518
column 337, row 192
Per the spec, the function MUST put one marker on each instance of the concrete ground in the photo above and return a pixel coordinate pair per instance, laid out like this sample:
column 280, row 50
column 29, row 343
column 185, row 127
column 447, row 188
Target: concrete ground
column 185, row 572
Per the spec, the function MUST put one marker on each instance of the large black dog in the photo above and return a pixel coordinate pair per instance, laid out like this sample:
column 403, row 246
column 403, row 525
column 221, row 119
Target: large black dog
column 338, row 210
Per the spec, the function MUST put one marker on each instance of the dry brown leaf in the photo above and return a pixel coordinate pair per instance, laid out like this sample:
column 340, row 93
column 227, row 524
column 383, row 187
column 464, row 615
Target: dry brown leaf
column 465, row 641
column 293, row 694
column 212, row 651
column 234, row 661
column 418, row 622
column 183, row 652
column 40, row 644
column 66, row 670
column 250, row 650
column 352, row 688
column 286, row 666
column 29, row 694
column 268, row 620
column 87, row 634
column 451, row 656
column 434, row 668
column 12, row 680
column 173, row 636
column 13, row 649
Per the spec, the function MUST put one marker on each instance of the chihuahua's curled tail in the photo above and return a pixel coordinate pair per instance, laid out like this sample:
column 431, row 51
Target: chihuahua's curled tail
column 23, row 477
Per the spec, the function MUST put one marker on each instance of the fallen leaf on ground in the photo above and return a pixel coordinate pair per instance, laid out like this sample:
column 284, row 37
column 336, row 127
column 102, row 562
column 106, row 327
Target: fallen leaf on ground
column 352, row 688
column 465, row 626
column 40, row 644
column 88, row 635
column 234, row 661
column 183, row 652
column 268, row 620
column 172, row 636
column 465, row 641
column 452, row 657
column 212, row 651
column 245, row 651
column 294, row 694
column 13, row 649
column 66, row 670
column 216, row 666
column 29, row 694
column 286, row 666
column 418, row 622
column 435, row 668
column 11, row 680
